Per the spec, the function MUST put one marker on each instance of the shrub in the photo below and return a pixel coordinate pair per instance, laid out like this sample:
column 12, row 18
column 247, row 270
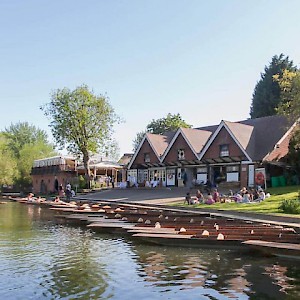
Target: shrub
column 290, row 206
column 82, row 182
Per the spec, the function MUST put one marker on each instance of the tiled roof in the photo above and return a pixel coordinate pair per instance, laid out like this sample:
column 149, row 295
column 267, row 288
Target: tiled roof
column 197, row 138
column 257, row 136
column 241, row 132
column 266, row 134
column 160, row 142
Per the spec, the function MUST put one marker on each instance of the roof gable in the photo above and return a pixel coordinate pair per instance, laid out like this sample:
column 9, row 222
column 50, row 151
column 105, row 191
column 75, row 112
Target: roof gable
column 157, row 142
column 224, row 125
column 194, row 138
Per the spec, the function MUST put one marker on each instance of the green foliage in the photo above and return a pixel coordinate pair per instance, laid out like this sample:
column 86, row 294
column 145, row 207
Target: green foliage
column 28, row 154
column 289, row 84
column 169, row 123
column 20, row 145
column 291, row 206
column 22, row 133
column 8, row 163
column 267, row 92
column 137, row 140
column 81, row 182
column 80, row 120
column 160, row 126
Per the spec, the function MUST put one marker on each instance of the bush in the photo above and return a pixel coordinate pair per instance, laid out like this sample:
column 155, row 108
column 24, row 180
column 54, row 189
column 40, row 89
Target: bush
column 82, row 182
column 290, row 206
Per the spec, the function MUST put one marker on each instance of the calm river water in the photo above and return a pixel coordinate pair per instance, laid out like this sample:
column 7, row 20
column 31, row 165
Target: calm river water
column 40, row 259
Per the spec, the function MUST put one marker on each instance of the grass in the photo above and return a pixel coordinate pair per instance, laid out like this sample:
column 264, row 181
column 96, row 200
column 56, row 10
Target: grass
column 268, row 206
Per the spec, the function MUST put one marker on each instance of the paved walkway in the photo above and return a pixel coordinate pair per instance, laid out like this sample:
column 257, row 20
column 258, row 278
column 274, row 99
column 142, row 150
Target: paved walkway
column 163, row 197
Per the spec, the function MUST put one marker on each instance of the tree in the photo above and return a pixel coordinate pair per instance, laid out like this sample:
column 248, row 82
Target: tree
column 23, row 133
column 27, row 155
column 267, row 93
column 289, row 84
column 137, row 140
column 23, row 144
column 80, row 120
column 8, row 164
column 160, row 126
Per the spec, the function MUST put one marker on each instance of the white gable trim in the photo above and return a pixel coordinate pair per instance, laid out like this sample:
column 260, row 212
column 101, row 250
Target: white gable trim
column 171, row 144
column 283, row 137
column 136, row 152
column 139, row 148
column 212, row 138
column 179, row 131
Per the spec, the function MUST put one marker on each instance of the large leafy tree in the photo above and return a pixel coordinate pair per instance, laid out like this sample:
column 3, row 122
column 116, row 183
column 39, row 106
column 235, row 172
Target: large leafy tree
column 8, row 163
column 289, row 84
column 80, row 120
column 267, row 93
column 23, row 133
column 28, row 154
column 22, row 144
column 160, row 126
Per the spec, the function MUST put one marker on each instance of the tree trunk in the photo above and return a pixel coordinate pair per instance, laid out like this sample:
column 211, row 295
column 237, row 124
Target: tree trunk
column 86, row 163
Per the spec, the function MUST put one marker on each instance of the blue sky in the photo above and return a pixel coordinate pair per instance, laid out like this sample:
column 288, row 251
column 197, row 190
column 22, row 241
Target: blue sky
column 201, row 59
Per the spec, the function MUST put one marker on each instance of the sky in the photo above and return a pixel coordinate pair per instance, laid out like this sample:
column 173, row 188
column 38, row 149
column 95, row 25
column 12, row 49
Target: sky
column 201, row 59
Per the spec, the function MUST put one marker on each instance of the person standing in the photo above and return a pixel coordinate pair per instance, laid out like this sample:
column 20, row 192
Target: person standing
column 113, row 181
column 68, row 192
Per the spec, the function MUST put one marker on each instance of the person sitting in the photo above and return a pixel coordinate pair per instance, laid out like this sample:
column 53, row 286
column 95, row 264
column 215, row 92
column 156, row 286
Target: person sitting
column 209, row 199
column 216, row 196
column 199, row 196
column 187, row 198
column 31, row 198
column 246, row 197
column 261, row 195
column 243, row 191
column 56, row 199
column 238, row 198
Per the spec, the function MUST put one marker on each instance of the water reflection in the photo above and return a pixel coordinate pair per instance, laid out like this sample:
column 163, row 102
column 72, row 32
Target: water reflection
column 43, row 260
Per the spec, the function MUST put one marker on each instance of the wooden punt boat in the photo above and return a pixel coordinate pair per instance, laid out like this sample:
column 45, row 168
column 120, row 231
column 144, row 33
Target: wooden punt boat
column 187, row 241
column 286, row 250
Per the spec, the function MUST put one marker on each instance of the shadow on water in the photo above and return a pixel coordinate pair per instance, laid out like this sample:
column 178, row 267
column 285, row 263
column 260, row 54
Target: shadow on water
column 41, row 259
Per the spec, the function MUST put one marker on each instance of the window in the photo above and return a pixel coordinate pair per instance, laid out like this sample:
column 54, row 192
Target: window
column 180, row 154
column 224, row 150
column 230, row 169
column 147, row 157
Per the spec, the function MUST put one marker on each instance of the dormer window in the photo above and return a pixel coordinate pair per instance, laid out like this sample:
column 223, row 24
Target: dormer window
column 146, row 157
column 181, row 154
column 224, row 150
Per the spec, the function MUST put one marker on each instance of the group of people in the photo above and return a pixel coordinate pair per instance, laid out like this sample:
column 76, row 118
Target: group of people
column 250, row 195
column 68, row 193
column 199, row 198
column 243, row 196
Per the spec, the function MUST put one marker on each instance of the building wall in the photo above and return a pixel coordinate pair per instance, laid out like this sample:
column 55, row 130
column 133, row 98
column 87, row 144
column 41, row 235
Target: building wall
column 140, row 158
column 48, row 180
column 223, row 138
column 180, row 143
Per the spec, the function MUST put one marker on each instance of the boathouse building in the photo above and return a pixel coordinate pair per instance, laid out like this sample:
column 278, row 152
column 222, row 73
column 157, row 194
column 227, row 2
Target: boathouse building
column 233, row 154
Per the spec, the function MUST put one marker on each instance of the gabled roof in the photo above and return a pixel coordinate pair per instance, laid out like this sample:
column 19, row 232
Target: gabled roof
column 158, row 143
column 233, row 129
column 266, row 134
column 241, row 132
column 195, row 138
column 257, row 138
column 281, row 148
column 125, row 159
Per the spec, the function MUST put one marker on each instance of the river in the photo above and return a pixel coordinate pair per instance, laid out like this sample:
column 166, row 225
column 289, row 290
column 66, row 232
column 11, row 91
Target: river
column 42, row 259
